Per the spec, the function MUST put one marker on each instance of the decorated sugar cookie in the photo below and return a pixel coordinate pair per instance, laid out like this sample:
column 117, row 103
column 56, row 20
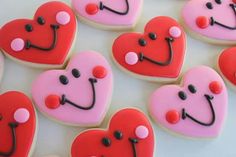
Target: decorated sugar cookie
column 45, row 41
column 227, row 66
column 129, row 134
column 109, row 14
column 197, row 108
column 156, row 55
column 80, row 94
column 211, row 20
column 17, row 125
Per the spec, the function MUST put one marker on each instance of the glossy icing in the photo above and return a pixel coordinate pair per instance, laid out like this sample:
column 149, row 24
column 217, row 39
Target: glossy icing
column 157, row 53
column 197, row 108
column 227, row 64
column 200, row 19
column 91, row 11
column 44, row 40
column 129, row 131
column 80, row 94
column 17, row 115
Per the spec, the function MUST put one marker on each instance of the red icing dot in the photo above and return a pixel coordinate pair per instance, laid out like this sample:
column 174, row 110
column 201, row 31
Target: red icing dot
column 52, row 101
column 202, row 22
column 172, row 116
column 99, row 72
column 215, row 87
column 91, row 8
column 234, row 1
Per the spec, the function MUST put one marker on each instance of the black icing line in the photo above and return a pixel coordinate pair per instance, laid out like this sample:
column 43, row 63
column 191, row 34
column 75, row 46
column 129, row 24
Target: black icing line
column 29, row 45
column 214, row 22
column 186, row 115
column 65, row 100
column 13, row 127
column 169, row 40
column 102, row 7
column 133, row 142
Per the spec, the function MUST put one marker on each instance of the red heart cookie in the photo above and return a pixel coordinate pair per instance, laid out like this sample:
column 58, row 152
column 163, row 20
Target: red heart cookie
column 155, row 55
column 130, row 134
column 17, row 125
column 44, row 41
column 227, row 65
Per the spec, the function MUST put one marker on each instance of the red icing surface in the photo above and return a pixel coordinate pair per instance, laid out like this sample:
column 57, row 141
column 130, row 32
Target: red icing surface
column 155, row 49
column 227, row 64
column 89, row 143
column 9, row 103
column 42, row 35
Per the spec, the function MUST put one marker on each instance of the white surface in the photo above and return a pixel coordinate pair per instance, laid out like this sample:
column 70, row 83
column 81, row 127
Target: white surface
column 54, row 138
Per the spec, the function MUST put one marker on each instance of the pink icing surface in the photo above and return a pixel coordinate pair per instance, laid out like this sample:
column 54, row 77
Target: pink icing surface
column 166, row 98
column 78, row 90
column 222, row 13
column 105, row 17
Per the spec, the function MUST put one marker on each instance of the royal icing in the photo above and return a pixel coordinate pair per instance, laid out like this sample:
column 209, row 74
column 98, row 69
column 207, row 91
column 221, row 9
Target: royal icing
column 227, row 64
column 130, row 134
column 17, row 124
column 110, row 13
column 80, row 94
column 214, row 19
column 157, row 53
column 197, row 108
column 45, row 40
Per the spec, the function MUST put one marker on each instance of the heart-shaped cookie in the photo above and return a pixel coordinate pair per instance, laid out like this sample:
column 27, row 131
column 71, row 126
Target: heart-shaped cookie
column 227, row 65
column 196, row 109
column 156, row 55
column 18, row 125
column 109, row 14
column 130, row 134
column 211, row 20
column 44, row 41
column 79, row 95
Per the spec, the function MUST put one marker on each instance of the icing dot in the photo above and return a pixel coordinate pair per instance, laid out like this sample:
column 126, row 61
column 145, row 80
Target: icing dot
column 91, row 8
column 21, row 115
column 131, row 58
column 175, row 32
column 234, row 1
column 202, row 22
column 215, row 87
column 172, row 116
column 141, row 132
column 99, row 72
column 63, row 18
column 17, row 44
column 52, row 101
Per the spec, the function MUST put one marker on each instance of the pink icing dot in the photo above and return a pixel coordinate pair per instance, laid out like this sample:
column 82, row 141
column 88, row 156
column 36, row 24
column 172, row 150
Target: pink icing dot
column 63, row 18
column 142, row 132
column 21, row 115
column 17, row 44
column 131, row 58
column 175, row 32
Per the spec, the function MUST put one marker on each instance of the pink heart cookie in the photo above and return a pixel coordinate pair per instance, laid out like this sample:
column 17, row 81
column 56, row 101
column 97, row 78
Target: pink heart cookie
column 212, row 20
column 111, row 14
column 79, row 95
column 196, row 109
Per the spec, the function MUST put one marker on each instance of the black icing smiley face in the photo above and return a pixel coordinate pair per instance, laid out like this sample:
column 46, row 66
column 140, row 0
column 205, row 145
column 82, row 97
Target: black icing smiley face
column 17, row 124
column 173, row 116
column 45, row 39
column 53, row 101
column 204, row 21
